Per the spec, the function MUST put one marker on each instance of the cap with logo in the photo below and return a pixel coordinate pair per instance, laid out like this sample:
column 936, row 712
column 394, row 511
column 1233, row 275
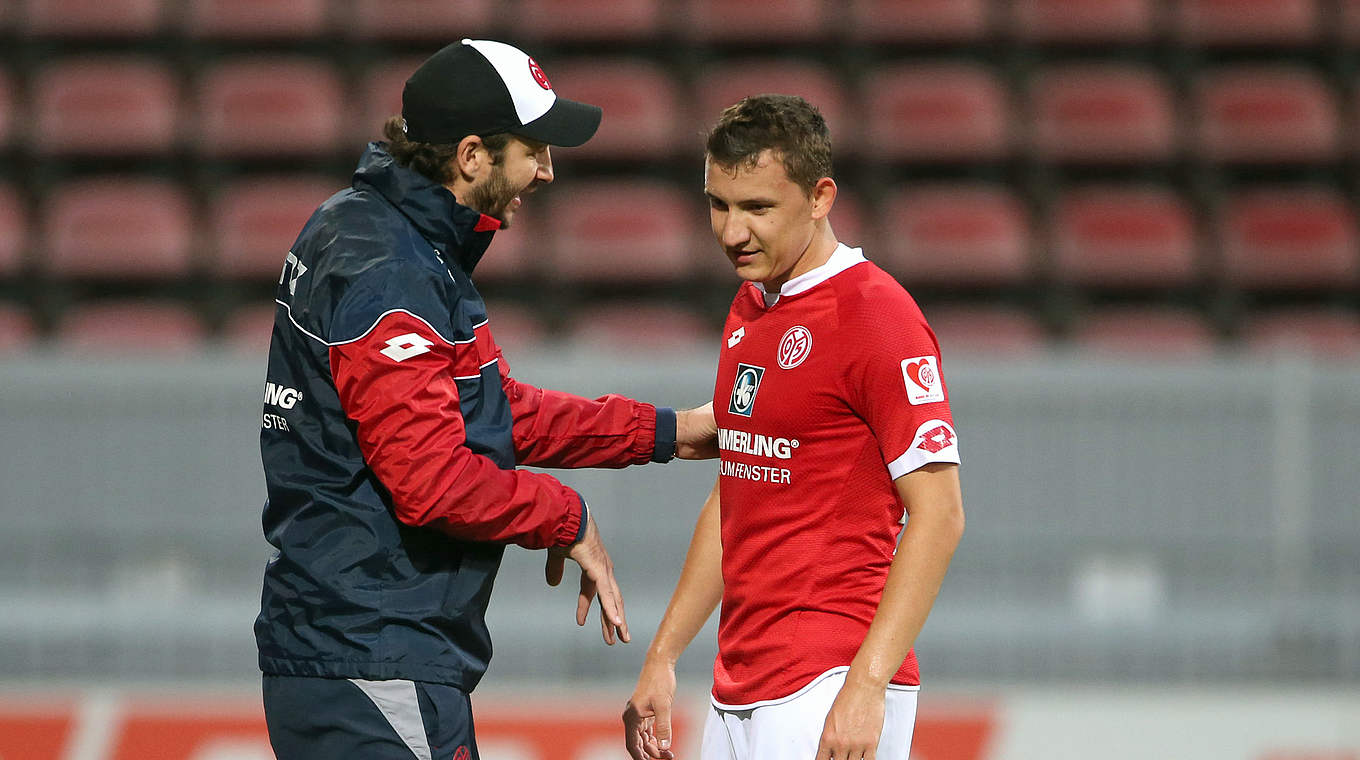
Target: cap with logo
column 482, row 87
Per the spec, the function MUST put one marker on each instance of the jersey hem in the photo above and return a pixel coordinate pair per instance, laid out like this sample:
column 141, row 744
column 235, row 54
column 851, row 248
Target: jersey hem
column 805, row 689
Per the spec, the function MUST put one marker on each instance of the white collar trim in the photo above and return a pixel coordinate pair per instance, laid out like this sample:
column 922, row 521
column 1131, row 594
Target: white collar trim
column 840, row 260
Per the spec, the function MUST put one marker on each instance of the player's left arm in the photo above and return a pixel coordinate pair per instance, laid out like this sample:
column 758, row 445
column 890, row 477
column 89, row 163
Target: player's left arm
column 934, row 506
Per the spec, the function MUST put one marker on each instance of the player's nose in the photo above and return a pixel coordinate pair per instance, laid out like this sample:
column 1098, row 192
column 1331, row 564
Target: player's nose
column 734, row 234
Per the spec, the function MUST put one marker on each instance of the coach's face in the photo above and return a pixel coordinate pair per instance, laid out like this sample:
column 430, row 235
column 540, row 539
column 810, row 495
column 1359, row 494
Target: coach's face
column 499, row 192
column 765, row 222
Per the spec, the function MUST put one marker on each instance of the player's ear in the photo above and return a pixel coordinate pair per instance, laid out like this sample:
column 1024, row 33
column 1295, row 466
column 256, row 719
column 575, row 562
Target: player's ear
column 823, row 197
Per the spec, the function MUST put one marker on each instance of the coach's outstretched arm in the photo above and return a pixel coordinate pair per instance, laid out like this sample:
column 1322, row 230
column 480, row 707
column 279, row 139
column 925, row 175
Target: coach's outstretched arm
column 934, row 526
column 647, row 717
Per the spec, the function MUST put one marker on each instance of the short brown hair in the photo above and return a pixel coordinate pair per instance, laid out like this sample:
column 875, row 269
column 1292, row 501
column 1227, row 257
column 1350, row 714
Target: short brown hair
column 434, row 160
column 785, row 124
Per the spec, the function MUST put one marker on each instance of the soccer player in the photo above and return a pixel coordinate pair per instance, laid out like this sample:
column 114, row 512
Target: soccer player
column 393, row 429
column 833, row 422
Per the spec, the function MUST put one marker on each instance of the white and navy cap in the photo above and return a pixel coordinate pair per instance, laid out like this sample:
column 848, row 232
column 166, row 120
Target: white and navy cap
column 481, row 87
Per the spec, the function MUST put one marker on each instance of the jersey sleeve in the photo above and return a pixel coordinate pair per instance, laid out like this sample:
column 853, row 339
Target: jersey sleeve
column 897, row 386
column 556, row 429
column 396, row 382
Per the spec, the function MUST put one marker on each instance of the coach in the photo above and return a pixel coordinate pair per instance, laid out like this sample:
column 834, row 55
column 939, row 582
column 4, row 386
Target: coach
column 394, row 427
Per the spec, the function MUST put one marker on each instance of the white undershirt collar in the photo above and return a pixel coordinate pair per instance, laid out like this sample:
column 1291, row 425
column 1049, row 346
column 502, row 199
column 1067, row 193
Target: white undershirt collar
column 840, row 260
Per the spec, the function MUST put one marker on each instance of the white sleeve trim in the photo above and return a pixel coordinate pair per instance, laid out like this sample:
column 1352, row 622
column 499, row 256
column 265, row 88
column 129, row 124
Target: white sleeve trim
column 935, row 442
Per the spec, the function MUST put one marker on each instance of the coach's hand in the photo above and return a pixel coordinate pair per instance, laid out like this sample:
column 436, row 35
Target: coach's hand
column 647, row 717
column 853, row 725
column 597, row 576
column 696, row 433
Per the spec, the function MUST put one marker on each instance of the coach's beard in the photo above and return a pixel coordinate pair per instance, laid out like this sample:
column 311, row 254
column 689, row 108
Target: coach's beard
column 495, row 197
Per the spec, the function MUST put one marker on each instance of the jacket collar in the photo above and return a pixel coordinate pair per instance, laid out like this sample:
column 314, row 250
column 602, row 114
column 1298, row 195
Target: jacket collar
column 459, row 232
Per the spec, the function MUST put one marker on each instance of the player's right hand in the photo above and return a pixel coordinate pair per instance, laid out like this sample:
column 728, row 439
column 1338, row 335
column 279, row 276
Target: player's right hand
column 647, row 716
column 597, row 577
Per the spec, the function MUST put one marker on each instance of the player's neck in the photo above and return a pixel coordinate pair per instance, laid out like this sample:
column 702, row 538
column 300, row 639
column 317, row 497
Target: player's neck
column 817, row 253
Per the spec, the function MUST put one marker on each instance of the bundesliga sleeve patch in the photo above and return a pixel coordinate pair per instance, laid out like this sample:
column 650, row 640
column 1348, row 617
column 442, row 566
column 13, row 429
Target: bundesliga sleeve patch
column 922, row 378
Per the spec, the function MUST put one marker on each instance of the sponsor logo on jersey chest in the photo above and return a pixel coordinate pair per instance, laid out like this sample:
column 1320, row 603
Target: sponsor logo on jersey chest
column 744, row 389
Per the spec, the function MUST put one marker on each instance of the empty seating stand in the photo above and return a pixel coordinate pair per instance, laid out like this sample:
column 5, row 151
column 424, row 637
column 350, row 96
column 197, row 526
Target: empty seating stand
column 8, row 108
column 1103, row 113
column 1289, row 239
column 1117, row 237
column 1146, row 332
column 645, row 117
column 1248, row 22
column 254, row 222
column 118, row 228
column 13, row 232
column 742, row 21
column 1327, row 334
column 722, row 85
column 17, row 330
column 592, row 20
column 379, row 98
column 623, row 232
column 130, row 328
column 1086, row 22
column 117, row 19
column 423, row 20
column 919, row 21
column 985, row 331
column 264, row 106
column 105, row 106
column 1266, row 115
column 643, row 327
column 256, row 19
column 936, row 112
column 956, row 236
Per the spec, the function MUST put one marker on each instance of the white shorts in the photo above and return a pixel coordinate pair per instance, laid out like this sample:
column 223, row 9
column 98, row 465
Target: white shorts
column 790, row 729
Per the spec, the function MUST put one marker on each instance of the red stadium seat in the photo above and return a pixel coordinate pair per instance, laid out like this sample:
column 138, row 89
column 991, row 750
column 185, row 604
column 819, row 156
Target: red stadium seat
column 1350, row 21
column 1275, row 239
column 380, row 98
column 644, row 327
column 249, row 329
column 256, row 19
column 591, row 20
column 515, row 328
column 985, row 331
column 254, row 223
column 1156, row 332
column 17, row 330
column 118, row 227
column 435, row 20
column 518, row 251
column 936, row 112
column 1255, row 115
column 745, row 21
column 8, row 108
column 13, row 231
column 105, row 106
column 1248, row 22
column 94, row 18
column 718, row 87
column 1326, row 333
column 1102, row 114
column 915, row 21
column 259, row 107
column 1083, row 21
column 956, row 235
column 623, row 231
column 130, row 328
column 643, row 111
column 1123, row 237
column 851, row 223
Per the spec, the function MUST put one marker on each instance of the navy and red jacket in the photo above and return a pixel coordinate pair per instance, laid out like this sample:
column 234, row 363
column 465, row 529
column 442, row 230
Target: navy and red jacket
column 391, row 433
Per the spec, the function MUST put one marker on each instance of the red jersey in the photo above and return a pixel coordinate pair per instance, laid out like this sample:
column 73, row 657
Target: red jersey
column 822, row 400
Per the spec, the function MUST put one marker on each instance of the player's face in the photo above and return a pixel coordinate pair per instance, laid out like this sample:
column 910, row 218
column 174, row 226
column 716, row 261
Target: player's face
column 524, row 165
column 764, row 221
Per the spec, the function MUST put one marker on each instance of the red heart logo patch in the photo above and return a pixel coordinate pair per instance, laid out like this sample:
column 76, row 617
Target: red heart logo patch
column 914, row 370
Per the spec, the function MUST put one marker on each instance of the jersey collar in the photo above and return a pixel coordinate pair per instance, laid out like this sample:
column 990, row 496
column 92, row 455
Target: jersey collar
column 840, row 260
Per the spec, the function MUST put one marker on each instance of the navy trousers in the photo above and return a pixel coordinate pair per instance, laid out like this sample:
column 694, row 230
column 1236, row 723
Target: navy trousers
column 328, row 718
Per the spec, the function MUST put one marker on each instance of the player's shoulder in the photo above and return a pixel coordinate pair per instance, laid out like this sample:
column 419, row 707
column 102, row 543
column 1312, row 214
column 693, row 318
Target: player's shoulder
column 867, row 292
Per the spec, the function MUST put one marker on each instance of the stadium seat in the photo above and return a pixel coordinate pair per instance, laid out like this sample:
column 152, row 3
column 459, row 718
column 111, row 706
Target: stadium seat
column 1350, row 21
column 1274, row 239
column 1262, row 115
column 515, row 328
column 379, row 97
column 13, row 231
column 592, row 20
column 254, row 222
column 518, row 252
column 130, row 328
column 623, row 231
column 1123, row 237
column 263, row 107
column 1102, row 114
column 956, row 235
column 1326, row 333
column 434, row 20
column 256, row 19
column 17, row 330
column 94, row 18
column 118, row 228
column 936, row 112
column 1083, row 21
column 1248, row 22
column 917, row 21
column 851, row 223
column 105, row 106
column 745, row 21
column 644, row 115
column 249, row 329
column 9, row 106
column 643, row 327
column 718, row 87
column 1144, row 331
column 985, row 331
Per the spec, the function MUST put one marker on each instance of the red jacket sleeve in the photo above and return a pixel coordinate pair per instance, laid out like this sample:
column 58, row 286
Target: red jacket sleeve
column 397, row 384
column 555, row 429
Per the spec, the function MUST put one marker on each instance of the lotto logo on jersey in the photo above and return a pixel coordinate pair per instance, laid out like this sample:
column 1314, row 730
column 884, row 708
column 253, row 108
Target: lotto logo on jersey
column 744, row 389
column 935, row 436
column 794, row 347
column 922, row 376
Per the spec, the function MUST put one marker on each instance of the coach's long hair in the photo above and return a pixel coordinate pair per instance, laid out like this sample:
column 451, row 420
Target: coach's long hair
column 434, row 161
column 786, row 124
